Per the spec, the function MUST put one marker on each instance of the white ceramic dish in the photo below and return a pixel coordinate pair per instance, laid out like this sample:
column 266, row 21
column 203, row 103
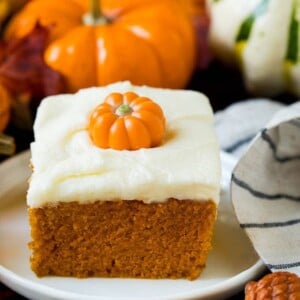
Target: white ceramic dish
column 231, row 263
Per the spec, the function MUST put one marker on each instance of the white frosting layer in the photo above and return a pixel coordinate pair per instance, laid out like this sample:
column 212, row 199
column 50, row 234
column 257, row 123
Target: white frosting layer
column 68, row 167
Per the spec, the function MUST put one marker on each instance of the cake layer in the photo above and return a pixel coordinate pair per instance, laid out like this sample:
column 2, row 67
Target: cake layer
column 69, row 167
column 122, row 239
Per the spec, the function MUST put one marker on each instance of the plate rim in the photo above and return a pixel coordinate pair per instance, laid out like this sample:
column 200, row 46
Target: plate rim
column 13, row 280
column 62, row 295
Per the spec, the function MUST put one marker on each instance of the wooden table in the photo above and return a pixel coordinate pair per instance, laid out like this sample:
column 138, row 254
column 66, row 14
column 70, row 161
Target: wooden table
column 221, row 85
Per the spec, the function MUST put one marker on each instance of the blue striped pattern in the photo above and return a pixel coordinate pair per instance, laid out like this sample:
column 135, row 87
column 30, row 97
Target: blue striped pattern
column 265, row 210
column 260, row 194
column 236, row 145
column 270, row 224
column 267, row 139
column 283, row 266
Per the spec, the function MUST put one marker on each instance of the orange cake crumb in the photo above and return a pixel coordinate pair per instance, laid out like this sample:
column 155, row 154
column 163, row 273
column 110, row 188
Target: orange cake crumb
column 122, row 238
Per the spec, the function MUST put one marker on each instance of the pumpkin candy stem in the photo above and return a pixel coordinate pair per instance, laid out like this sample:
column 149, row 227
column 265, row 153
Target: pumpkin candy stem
column 95, row 9
column 95, row 15
column 127, row 122
column 123, row 110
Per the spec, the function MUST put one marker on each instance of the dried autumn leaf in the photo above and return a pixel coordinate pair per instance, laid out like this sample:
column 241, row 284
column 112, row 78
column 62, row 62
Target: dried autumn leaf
column 5, row 105
column 22, row 67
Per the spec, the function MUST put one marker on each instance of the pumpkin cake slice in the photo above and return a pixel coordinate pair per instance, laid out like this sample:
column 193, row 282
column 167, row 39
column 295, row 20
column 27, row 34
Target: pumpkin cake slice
column 125, row 183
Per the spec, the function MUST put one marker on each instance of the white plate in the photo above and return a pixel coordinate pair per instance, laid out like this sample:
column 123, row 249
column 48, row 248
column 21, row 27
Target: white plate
column 231, row 263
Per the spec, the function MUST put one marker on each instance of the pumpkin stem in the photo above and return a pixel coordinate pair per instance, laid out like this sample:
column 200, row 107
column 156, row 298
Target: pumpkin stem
column 7, row 145
column 95, row 15
column 95, row 9
column 123, row 110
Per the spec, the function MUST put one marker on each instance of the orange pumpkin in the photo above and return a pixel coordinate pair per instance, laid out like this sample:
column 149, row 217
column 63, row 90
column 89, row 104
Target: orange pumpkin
column 5, row 105
column 127, row 121
column 145, row 41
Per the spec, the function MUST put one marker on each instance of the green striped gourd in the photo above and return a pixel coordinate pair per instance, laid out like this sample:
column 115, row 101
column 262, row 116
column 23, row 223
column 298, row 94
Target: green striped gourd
column 262, row 38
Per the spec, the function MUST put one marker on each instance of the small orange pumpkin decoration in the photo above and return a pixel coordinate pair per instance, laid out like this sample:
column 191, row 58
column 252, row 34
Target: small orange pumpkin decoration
column 127, row 121
column 5, row 105
column 145, row 41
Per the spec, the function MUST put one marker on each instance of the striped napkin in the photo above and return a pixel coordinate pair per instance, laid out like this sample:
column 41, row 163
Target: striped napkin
column 265, row 187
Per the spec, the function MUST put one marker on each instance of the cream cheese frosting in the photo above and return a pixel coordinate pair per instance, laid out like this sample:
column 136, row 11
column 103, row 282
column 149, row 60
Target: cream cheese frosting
column 67, row 166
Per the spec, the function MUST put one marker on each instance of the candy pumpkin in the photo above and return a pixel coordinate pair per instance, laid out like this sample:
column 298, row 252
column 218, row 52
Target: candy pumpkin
column 127, row 122
column 262, row 38
column 145, row 41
